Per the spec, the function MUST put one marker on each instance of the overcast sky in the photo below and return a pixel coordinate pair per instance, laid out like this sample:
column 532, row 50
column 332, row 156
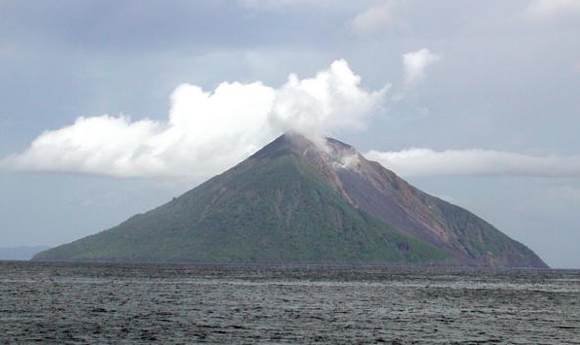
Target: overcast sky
column 109, row 108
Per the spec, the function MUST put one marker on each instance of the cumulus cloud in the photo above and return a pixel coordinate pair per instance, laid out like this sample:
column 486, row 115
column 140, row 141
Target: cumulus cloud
column 330, row 101
column 543, row 9
column 426, row 162
column 373, row 19
column 415, row 63
column 206, row 132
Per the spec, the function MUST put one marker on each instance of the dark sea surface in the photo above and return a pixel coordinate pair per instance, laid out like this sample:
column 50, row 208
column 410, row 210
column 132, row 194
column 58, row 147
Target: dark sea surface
column 178, row 304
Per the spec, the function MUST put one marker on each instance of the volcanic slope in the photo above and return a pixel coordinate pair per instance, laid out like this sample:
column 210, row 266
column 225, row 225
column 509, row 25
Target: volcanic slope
column 296, row 201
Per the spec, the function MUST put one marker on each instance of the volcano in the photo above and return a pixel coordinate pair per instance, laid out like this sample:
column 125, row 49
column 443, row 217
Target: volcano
column 298, row 201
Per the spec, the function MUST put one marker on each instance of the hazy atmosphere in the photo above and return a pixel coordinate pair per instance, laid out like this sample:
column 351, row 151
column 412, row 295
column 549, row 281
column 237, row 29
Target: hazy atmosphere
column 109, row 109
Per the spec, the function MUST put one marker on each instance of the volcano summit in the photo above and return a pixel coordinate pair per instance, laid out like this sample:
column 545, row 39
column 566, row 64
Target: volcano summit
column 295, row 202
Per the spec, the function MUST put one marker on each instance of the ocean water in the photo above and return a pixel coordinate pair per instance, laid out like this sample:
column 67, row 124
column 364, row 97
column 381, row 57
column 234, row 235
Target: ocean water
column 180, row 304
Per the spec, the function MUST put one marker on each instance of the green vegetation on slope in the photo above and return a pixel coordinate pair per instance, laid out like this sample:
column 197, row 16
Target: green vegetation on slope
column 267, row 210
column 481, row 240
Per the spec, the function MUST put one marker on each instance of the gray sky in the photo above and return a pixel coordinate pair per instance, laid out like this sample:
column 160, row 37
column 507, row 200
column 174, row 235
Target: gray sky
column 475, row 102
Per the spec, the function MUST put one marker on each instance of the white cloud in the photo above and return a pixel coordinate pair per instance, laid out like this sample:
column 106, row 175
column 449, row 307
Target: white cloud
column 426, row 162
column 552, row 8
column 206, row 132
column 415, row 64
column 373, row 19
column 331, row 100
